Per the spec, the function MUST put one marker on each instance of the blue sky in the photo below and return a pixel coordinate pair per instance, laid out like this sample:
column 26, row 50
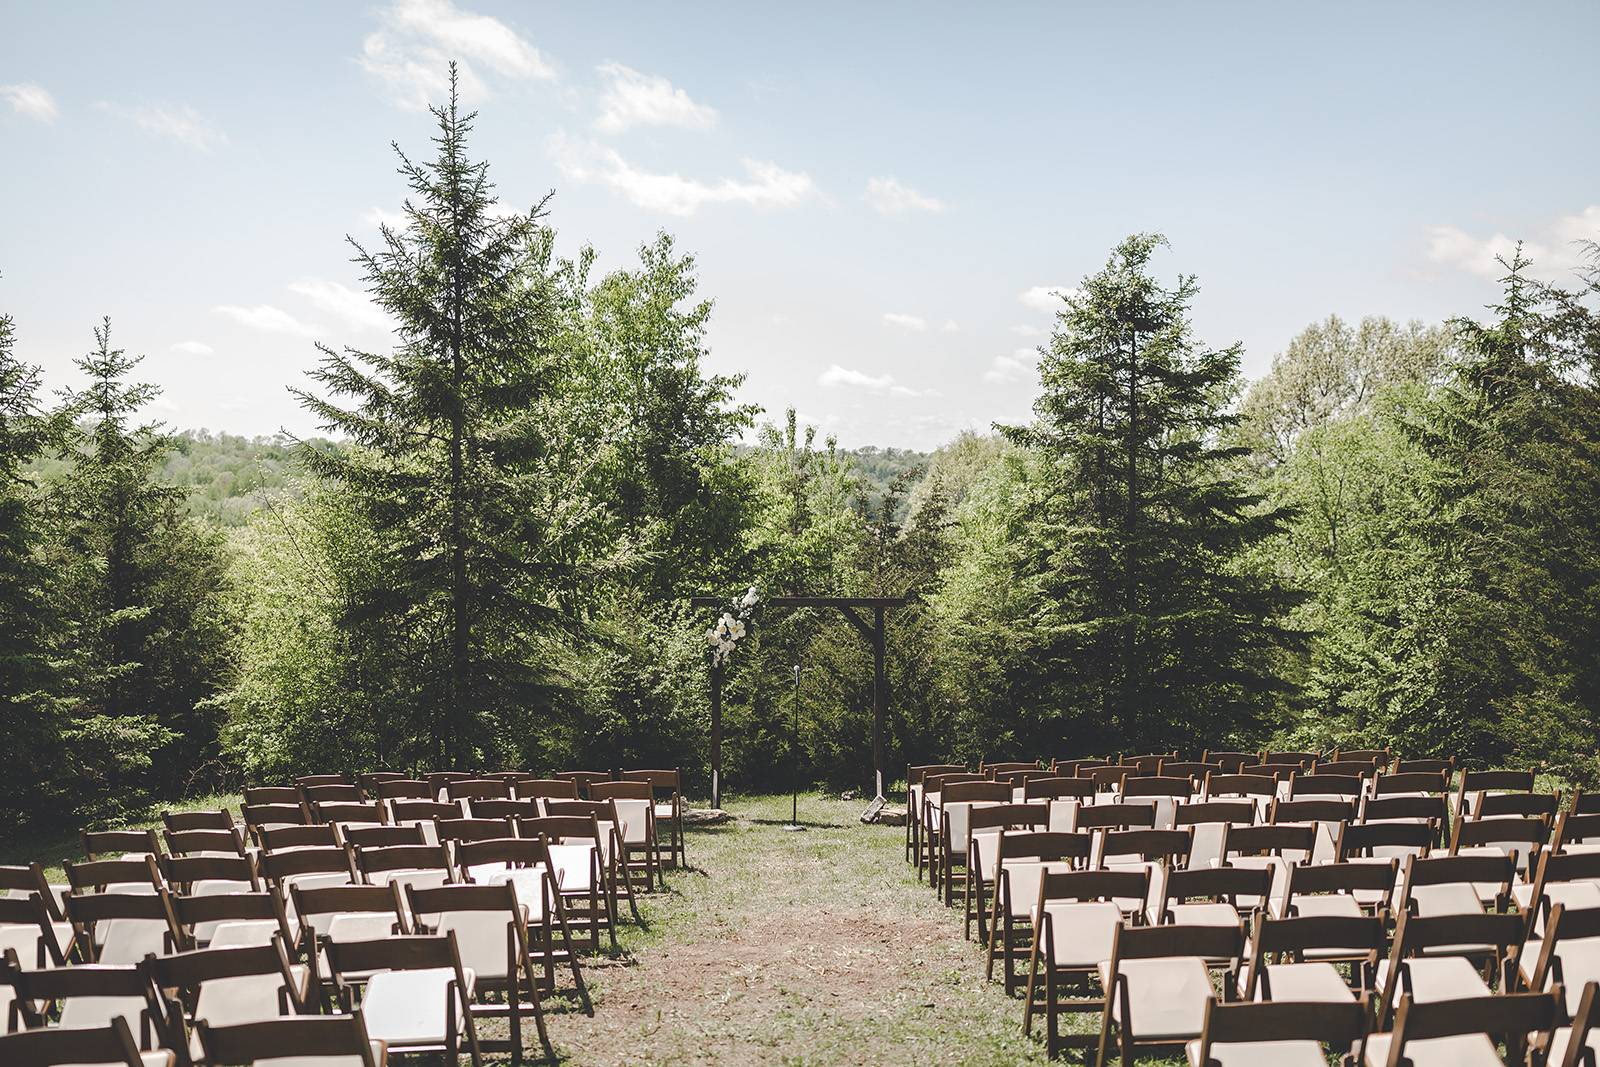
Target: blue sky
column 878, row 194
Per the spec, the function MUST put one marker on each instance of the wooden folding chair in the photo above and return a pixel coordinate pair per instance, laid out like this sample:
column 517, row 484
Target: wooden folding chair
column 338, row 914
column 952, row 814
column 633, row 815
column 1568, row 954
column 85, row 996
column 310, row 867
column 1158, row 981
column 1194, row 770
column 984, row 827
column 584, row 779
column 1577, row 1045
column 1306, row 761
column 1572, row 879
column 405, row 789
column 1298, row 958
column 272, row 795
column 342, row 813
column 1457, row 885
column 1432, row 958
column 1464, row 1032
column 478, row 789
column 1282, row 1034
column 1229, row 761
column 666, row 785
column 1446, row 767
column 304, row 780
column 1211, row 896
column 22, row 879
column 332, row 793
column 915, row 774
column 1477, row 784
column 489, row 926
column 28, row 930
column 1430, row 811
column 1520, row 838
column 122, row 928
column 386, row 836
column 58, row 1047
column 584, row 871
column 341, row 1039
column 224, row 987
column 1374, row 757
column 415, row 994
column 1116, row 816
column 1075, row 919
column 119, row 844
column 1354, row 888
column 525, row 865
column 224, row 920
column 227, row 842
column 1211, row 820
column 1021, row 860
column 928, row 830
column 178, row 821
column 1382, row 840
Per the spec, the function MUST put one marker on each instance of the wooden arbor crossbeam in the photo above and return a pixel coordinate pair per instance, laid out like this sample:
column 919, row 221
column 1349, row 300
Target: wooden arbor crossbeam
column 873, row 629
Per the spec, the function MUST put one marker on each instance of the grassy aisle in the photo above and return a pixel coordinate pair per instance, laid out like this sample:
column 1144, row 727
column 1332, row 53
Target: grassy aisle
column 795, row 948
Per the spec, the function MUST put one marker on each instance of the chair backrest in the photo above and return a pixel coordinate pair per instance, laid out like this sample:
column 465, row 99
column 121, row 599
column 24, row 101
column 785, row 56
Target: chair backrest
column 257, row 816
column 1226, row 884
column 1279, row 772
column 302, row 1037
column 505, row 809
column 994, row 770
column 1312, row 811
column 373, row 861
column 29, row 878
column 1304, row 760
column 315, row 908
column 1476, row 783
column 1230, row 761
column 510, row 851
column 187, row 971
column 1527, row 805
column 1573, row 828
column 1339, row 1025
column 371, row 780
column 93, row 875
column 1349, row 769
column 30, row 911
column 1360, row 839
column 304, row 780
column 263, row 795
column 383, row 836
column 1240, row 785
column 1009, row 816
column 196, row 820
column 584, row 779
column 665, row 781
column 622, row 791
column 316, row 835
column 407, row 952
column 1268, row 839
column 1352, row 936
column 408, row 810
column 1105, row 777
column 1177, row 939
column 1116, row 816
column 54, row 1046
column 1169, row 846
column 1057, row 788
column 1232, row 812
column 277, row 866
column 1524, row 836
column 474, row 829
column 1095, row 885
column 1585, row 802
column 186, row 842
column 486, row 922
column 1316, row 879
column 1194, row 770
column 1410, row 782
column 1511, row 1015
column 1370, row 756
column 558, row 828
column 1459, row 870
column 1430, row 809
column 405, row 789
column 1148, row 764
column 1046, row 845
column 1158, row 786
column 182, row 872
column 1446, row 767
column 333, row 793
column 194, row 912
column 87, row 983
column 478, row 789
column 341, row 811
column 975, row 792
column 1564, row 925
column 108, row 844
column 934, row 783
column 550, row 788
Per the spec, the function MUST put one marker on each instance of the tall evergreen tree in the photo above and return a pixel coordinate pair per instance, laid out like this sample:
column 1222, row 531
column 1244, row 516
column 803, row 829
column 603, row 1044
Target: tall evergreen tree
column 462, row 457
column 1155, row 633
column 140, row 586
column 27, row 622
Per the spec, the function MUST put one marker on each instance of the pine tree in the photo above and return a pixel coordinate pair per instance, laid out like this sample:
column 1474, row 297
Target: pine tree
column 1155, row 633
column 462, row 458
column 28, row 725
column 140, row 586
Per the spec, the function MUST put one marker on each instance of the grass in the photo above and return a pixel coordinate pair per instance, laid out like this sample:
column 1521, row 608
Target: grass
column 52, row 846
column 818, row 947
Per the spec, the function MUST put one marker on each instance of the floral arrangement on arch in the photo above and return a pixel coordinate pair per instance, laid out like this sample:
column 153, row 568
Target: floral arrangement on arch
column 725, row 636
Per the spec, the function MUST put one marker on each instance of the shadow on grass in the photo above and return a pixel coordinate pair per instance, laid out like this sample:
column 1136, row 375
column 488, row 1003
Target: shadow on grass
column 805, row 824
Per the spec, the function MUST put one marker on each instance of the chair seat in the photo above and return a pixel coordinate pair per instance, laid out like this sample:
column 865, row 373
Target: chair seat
column 378, row 1051
column 410, row 1007
column 529, row 884
column 1451, row 898
column 1463, row 1050
column 573, row 863
column 1166, row 997
column 1022, row 883
column 250, row 998
column 665, row 811
column 1205, row 913
column 1340, row 904
column 1438, row 978
column 1260, row 1054
column 1080, row 932
column 1562, row 1036
column 1318, row 982
column 243, row 932
column 94, row 1013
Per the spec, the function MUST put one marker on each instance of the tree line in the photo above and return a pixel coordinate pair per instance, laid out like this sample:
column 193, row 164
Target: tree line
column 1388, row 539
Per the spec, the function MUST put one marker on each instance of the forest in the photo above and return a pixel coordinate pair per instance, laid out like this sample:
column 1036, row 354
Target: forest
column 485, row 559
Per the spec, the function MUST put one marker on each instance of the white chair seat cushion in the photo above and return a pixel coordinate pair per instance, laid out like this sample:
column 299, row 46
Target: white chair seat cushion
column 1437, row 978
column 1342, row 904
column 1022, row 878
column 130, row 940
column 529, row 883
column 482, row 937
column 665, row 811
column 250, row 998
column 573, row 864
column 1080, row 932
column 94, row 1013
column 410, row 1007
column 1463, row 1050
column 1204, row 913
column 1561, row 1036
column 1260, row 1054
column 324, row 1061
column 1166, row 997
column 1451, row 898
column 360, row 926
column 242, row 932
column 1319, row 982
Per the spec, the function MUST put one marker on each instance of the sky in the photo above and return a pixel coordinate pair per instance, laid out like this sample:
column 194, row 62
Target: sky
column 881, row 197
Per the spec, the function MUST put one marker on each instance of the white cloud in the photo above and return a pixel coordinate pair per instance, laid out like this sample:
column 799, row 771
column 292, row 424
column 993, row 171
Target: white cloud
column 411, row 51
column 836, row 375
column 635, row 99
column 764, row 185
column 30, row 101
column 889, row 197
column 951, row 326
column 1045, row 297
column 1452, row 246
column 193, row 348
column 267, row 319
column 1017, row 367
column 379, row 216
column 182, row 124
column 355, row 308
column 1027, row 331
column 1584, row 226
column 905, row 322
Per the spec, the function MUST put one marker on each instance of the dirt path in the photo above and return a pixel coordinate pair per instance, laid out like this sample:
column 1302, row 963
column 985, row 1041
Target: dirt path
column 795, row 948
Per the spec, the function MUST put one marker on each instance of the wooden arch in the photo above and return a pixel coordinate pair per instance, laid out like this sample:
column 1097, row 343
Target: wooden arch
column 873, row 629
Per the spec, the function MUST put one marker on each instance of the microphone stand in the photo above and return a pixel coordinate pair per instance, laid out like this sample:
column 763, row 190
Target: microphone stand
column 793, row 824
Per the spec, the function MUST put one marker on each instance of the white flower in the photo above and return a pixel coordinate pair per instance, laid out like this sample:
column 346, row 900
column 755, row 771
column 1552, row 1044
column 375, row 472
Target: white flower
column 736, row 631
column 711, row 636
column 750, row 598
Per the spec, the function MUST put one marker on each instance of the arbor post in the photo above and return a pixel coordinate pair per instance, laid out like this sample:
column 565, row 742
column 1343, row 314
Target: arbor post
column 879, row 695
column 716, row 735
